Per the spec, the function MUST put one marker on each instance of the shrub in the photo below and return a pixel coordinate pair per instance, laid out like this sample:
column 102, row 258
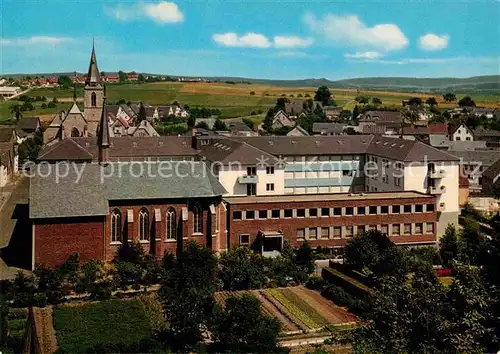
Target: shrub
column 252, row 93
column 351, row 285
column 316, row 283
column 337, row 295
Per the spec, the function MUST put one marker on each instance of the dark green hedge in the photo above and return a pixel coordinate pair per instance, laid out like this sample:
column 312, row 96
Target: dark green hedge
column 350, row 285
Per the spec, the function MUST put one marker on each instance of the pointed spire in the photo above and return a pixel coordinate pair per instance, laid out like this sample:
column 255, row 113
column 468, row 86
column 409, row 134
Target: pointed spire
column 93, row 76
column 103, row 138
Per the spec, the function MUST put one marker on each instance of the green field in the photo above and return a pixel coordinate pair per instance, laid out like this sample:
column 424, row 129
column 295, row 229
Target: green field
column 118, row 324
column 233, row 100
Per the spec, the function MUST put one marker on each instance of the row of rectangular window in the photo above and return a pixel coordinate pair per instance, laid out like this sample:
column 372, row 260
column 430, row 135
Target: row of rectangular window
column 325, row 233
column 338, row 232
column 326, row 212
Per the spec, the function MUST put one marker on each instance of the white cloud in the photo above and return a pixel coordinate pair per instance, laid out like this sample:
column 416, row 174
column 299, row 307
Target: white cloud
column 432, row 41
column 35, row 40
column 163, row 12
column 363, row 55
column 257, row 40
column 291, row 42
column 252, row 40
column 351, row 31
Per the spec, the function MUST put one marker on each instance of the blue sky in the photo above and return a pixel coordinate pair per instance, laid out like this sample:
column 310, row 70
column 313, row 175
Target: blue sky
column 260, row 38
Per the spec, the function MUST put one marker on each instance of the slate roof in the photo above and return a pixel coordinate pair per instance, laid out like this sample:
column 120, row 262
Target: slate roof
column 493, row 171
column 329, row 128
column 98, row 184
column 486, row 158
column 480, row 133
column 29, row 123
column 93, row 75
column 381, row 116
column 298, row 128
column 123, row 148
column 6, row 134
column 294, row 107
column 307, row 145
column 237, row 126
column 467, row 145
column 228, row 150
column 406, row 150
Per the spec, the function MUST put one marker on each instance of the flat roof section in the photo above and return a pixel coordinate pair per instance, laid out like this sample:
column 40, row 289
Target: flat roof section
column 297, row 198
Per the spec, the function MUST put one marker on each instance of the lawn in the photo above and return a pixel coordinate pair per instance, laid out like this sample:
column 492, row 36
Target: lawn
column 233, row 100
column 44, row 114
column 119, row 324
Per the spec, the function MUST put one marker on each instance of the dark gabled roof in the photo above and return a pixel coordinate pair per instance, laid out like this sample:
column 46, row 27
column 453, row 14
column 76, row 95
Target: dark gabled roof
column 111, row 111
column 294, row 107
column 123, row 147
column 29, row 123
column 67, row 149
column 89, row 194
column 307, row 145
column 381, row 116
column 485, row 158
column 481, row 132
column 493, row 171
column 237, row 126
column 406, row 150
column 335, row 128
column 228, row 150
column 6, row 133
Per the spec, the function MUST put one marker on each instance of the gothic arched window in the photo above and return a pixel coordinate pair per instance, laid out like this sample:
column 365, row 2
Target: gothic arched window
column 143, row 225
column 116, row 226
column 93, row 100
column 75, row 132
column 197, row 219
column 171, row 225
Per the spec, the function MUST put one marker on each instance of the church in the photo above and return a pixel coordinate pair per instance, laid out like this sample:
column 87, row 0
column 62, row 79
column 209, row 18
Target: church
column 74, row 122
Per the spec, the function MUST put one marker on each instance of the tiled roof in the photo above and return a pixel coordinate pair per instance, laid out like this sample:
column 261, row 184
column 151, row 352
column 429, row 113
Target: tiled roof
column 406, row 150
column 493, row 171
column 52, row 197
column 335, row 128
column 384, row 116
column 479, row 133
column 6, row 133
column 124, row 148
column 307, row 145
column 29, row 123
column 228, row 150
column 485, row 158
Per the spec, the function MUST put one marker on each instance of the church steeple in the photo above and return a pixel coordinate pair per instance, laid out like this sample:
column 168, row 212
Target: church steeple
column 93, row 76
column 103, row 139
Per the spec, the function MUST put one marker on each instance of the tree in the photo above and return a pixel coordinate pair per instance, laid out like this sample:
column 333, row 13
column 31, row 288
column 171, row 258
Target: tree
column 242, row 327
column 16, row 110
column 29, row 148
column 448, row 248
column 142, row 113
column 376, row 100
column 122, row 76
column 280, row 104
column 431, row 101
column 466, row 102
column 186, row 294
column 355, row 113
column 466, row 310
column 248, row 122
column 203, row 125
column 472, row 243
column 219, row 125
column 350, row 131
column 362, row 99
column 305, row 258
column 241, row 269
column 51, row 104
column 449, row 97
column 141, row 78
column 415, row 101
column 64, row 81
column 323, row 95
column 365, row 250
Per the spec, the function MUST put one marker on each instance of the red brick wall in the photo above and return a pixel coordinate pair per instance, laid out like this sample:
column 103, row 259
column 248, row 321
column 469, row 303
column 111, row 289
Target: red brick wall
column 56, row 239
column 289, row 226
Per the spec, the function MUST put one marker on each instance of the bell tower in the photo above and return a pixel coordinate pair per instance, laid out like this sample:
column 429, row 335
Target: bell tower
column 94, row 95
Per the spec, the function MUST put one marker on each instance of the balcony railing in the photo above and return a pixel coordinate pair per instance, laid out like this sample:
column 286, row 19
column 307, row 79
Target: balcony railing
column 436, row 190
column 248, row 179
column 436, row 174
